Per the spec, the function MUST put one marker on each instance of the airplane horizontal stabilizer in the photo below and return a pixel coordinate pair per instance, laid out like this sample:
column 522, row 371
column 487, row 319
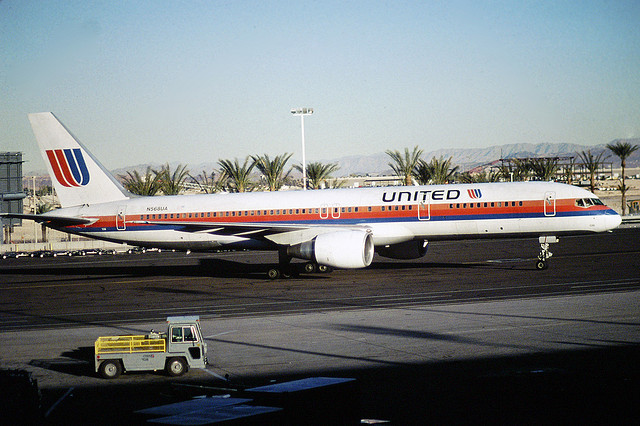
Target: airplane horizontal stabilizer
column 51, row 220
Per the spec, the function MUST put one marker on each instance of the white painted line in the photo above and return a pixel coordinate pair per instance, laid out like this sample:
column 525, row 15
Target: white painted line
column 58, row 402
column 216, row 375
column 220, row 334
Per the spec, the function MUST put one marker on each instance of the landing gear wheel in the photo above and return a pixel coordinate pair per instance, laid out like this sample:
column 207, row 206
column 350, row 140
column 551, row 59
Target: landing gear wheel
column 176, row 367
column 110, row 369
column 273, row 273
column 284, row 268
column 310, row 267
column 325, row 269
column 541, row 265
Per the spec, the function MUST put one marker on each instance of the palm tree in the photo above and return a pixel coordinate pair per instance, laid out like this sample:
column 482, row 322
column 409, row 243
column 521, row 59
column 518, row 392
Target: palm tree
column 592, row 163
column 491, row 175
column 42, row 208
column 544, row 168
column 334, row 183
column 206, row 182
column 522, row 169
column 236, row 175
column 136, row 184
column 317, row 173
column 623, row 150
column 437, row 171
column 404, row 165
column 44, row 190
column 172, row 183
column 568, row 170
column 273, row 170
column 518, row 169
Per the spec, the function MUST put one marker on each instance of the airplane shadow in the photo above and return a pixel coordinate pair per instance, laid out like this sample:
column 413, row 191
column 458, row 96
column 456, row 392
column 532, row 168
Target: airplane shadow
column 208, row 267
column 223, row 268
column 520, row 264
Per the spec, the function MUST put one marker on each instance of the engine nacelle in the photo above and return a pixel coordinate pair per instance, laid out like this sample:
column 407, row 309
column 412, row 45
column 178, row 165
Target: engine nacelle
column 408, row 250
column 340, row 249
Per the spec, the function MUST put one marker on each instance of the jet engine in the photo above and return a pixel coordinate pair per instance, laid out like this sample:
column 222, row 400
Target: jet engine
column 413, row 249
column 340, row 249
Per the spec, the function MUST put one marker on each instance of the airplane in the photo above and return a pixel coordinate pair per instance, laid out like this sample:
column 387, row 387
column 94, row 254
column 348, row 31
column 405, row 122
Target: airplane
column 332, row 228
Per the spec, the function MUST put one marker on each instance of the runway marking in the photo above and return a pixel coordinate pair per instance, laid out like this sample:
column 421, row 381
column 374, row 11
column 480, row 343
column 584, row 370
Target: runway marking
column 390, row 301
column 216, row 375
column 220, row 334
column 623, row 282
column 93, row 283
column 58, row 401
column 416, row 299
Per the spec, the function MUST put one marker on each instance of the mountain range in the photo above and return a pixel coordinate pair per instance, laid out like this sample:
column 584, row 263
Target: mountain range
column 465, row 158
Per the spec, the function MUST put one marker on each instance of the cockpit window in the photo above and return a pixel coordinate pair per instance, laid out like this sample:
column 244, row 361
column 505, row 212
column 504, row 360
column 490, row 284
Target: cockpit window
column 588, row 202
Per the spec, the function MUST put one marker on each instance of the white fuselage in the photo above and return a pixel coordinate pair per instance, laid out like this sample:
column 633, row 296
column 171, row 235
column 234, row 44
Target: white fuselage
column 391, row 214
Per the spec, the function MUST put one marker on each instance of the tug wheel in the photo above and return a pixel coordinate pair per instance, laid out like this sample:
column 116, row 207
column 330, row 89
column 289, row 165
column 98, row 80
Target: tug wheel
column 176, row 367
column 110, row 369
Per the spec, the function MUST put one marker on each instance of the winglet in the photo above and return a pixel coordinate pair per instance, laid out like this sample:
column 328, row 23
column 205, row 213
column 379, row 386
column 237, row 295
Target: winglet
column 77, row 175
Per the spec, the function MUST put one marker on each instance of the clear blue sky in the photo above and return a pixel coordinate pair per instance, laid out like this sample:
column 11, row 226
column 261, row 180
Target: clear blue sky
column 190, row 81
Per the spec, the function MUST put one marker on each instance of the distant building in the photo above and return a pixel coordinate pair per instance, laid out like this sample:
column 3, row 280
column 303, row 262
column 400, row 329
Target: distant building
column 11, row 194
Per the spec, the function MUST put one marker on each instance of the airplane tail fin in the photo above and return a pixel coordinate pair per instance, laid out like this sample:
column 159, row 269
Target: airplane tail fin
column 77, row 175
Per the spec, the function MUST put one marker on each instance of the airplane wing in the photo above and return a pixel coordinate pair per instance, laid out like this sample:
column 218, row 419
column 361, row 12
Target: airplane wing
column 51, row 220
column 224, row 228
column 286, row 233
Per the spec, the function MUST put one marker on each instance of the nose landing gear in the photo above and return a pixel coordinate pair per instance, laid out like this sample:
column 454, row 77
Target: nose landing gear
column 545, row 254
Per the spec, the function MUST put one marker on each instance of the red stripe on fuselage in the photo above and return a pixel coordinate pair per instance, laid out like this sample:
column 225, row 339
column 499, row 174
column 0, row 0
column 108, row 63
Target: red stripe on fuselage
column 436, row 210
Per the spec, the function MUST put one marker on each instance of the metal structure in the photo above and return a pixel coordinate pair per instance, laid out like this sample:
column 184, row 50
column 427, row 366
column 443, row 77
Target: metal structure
column 564, row 163
column 302, row 112
column 11, row 194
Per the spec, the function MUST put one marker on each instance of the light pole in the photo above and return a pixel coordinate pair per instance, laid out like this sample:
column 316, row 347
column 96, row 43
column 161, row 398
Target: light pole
column 302, row 112
column 35, row 211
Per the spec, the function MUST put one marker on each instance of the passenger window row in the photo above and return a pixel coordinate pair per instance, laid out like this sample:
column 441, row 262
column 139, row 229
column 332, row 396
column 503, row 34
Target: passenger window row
column 324, row 211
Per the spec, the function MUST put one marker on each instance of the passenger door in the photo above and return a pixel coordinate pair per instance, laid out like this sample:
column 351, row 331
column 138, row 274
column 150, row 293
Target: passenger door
column 550, row 203
column 424, row 210
column 121, row 218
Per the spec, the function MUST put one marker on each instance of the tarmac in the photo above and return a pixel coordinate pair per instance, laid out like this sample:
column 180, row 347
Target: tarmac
column 556, row 359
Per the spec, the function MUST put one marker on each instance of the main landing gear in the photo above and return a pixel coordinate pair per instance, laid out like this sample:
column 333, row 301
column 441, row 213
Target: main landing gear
column 286, row 270
column 289, row 271
column 545, row 254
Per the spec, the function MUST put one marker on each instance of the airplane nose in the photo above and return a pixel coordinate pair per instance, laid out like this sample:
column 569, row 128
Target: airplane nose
column 612, row 220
